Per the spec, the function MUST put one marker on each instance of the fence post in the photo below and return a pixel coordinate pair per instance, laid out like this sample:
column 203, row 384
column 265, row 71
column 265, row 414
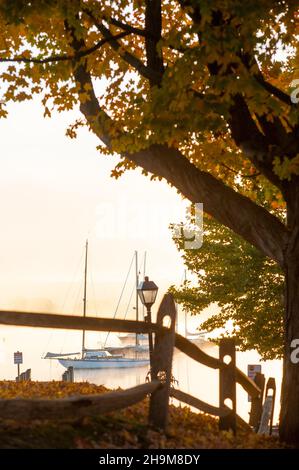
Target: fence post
column 271, row 385
column 257, row 402
column 162, row 363
column 71, row 374
column 68, row 375
column 227, row 384
column 268, row 408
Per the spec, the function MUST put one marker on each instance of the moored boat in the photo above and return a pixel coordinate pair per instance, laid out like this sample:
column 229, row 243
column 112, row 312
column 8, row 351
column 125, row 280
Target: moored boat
column 107, row 357
column 102, row 360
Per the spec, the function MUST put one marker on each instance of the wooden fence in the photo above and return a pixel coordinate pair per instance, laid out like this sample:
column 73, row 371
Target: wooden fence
column 68, row 375
column 160, row 387
column 24, row 376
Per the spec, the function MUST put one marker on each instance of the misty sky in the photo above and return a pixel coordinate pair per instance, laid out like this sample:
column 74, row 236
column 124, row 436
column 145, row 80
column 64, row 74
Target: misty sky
column 56, row 192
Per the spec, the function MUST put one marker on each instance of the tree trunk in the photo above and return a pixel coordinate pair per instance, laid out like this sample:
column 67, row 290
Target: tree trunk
column 289, row 415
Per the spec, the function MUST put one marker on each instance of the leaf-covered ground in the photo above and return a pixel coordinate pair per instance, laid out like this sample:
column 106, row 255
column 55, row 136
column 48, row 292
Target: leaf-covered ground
column 121, row 429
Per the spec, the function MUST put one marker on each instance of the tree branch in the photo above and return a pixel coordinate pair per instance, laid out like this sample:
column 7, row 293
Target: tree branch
column 238, row 173
column 249, row 61
column 273, row 90
column 136, row 63
column 252, row 142
column 127, row 27
column 64, row 57
column 153, row 28
column 142, row 33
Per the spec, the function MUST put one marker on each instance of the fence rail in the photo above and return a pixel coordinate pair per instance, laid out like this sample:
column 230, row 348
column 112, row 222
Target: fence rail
column 159, row 388
column 27, row 409
column 72, row 322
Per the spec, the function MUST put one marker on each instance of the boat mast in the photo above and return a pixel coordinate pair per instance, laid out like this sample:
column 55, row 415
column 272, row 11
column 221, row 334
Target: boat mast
column 137, row 298
column 84, row 297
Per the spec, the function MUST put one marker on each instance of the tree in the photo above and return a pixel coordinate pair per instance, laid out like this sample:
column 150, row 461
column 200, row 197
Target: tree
column 247, row 287
column 196, row 94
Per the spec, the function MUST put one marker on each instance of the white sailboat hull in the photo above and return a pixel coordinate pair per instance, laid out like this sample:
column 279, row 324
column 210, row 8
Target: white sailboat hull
column 111, row 363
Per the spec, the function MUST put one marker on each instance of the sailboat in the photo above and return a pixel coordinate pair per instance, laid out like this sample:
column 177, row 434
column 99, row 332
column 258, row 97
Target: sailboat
column 104, row 358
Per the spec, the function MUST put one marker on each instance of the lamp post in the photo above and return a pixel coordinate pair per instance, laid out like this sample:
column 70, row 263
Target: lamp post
column 147, row 291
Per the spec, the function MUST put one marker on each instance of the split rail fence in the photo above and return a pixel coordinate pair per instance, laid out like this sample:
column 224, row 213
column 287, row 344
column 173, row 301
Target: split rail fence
column 160, row 387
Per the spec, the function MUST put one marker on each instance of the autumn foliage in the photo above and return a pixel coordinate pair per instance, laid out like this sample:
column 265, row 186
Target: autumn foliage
column 121, row 429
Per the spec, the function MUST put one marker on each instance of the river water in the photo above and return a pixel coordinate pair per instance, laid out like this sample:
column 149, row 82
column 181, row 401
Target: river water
column 192, row 377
